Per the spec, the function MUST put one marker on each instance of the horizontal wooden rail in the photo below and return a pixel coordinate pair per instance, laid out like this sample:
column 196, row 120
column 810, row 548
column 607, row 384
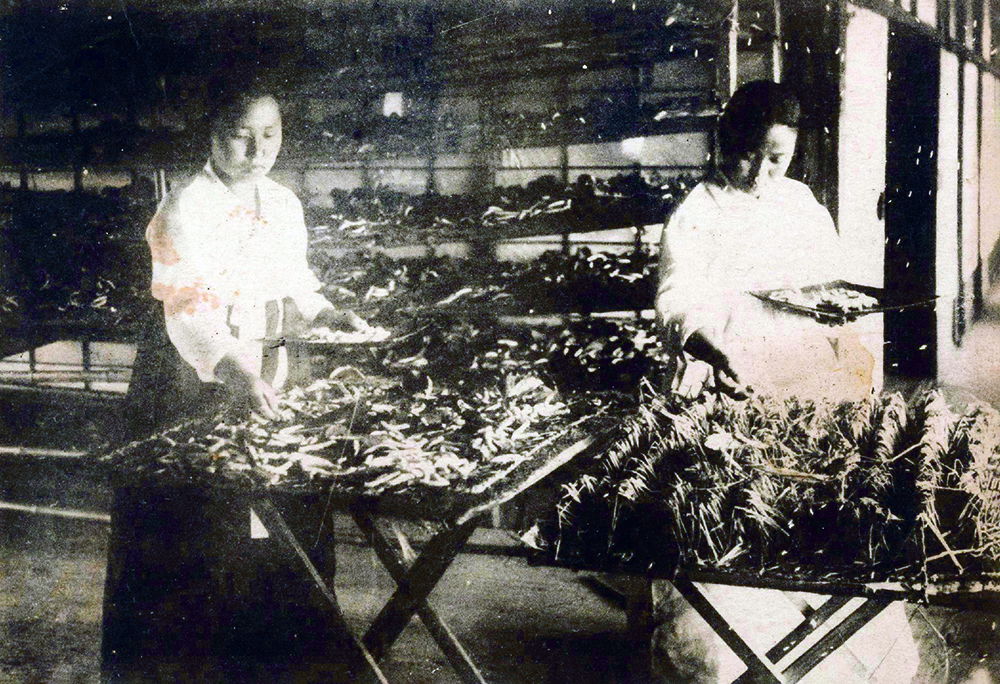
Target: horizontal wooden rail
column 37, row 451
column 71, row 513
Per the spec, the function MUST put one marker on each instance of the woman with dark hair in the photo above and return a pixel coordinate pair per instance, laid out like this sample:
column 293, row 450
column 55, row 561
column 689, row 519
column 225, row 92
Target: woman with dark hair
column 197, row 588
column 747, row 227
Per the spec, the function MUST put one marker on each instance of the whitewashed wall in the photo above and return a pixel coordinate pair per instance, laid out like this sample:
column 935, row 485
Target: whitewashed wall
column 989, row 179
column 862, row 143
column 970, row 176
column 947, row 270
column 862, row 158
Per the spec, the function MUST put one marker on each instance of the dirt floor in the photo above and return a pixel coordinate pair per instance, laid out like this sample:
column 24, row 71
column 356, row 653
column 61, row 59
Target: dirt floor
column 521, row 623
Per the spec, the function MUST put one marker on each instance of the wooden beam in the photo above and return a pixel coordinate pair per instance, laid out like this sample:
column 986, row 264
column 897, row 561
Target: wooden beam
column 759, row 668
column 733, row 53
column 398, row 569
column 939, row 34
column 834, row 639
column 813, row 620
column 69, row 513
column 420, row 580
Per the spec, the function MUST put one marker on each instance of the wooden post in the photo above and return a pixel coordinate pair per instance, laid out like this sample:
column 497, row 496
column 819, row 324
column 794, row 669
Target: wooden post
column 86, row 362
column 640, row 626
column 431, row 137
column 78, row 152
column 734, row 47
column 161, row 184
column 563, row 104
column 985, row 31
column 977, row 284
column 485, row 163
column 776, row 44
column 21, row 132
column 958, row 312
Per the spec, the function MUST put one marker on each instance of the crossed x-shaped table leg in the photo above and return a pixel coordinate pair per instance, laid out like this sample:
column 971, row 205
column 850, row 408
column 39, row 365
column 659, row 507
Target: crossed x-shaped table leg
column 763, row 666
column 275, row 523
column 414, row 584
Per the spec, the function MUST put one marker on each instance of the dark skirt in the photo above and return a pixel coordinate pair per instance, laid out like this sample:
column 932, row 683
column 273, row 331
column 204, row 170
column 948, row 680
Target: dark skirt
column 163, row 388
column 189, row 595
column 189, row 592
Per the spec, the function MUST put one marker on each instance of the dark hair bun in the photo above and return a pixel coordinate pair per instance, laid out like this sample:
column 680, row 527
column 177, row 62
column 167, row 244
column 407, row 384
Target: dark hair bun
column 227, row 96
column 750, row 113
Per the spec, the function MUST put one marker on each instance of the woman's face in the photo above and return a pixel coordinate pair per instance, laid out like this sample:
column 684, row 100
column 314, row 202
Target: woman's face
column 769, row 161
column 246, row 149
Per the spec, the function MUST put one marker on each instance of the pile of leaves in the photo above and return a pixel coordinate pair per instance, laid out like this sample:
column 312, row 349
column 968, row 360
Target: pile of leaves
column 807, row 490
column 601, row 354
column 587, row 355
column 607, row 117
column 87, row 259
column 365, row 432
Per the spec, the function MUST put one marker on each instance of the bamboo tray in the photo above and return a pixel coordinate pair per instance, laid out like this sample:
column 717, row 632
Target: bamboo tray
column 887, row 301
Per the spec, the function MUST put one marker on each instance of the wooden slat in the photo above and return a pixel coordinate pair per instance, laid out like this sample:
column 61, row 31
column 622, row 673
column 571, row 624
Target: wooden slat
column 71, row 513
column 513, row 488
column 442, row 634
column 63, row 394
column 40, row 453
column 812, row 622
column 759, row 667
column 834, row 639
column 420, row 580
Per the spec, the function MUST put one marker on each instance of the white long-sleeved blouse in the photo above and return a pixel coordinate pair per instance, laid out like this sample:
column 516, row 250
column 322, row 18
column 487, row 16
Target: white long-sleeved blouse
column 224, row 270
column 722, row 243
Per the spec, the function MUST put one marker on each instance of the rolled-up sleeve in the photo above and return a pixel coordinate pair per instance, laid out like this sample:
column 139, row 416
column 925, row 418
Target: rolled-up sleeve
column 196, row 315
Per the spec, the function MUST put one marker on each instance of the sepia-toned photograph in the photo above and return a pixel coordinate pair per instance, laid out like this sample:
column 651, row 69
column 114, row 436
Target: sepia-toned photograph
column 499, row 341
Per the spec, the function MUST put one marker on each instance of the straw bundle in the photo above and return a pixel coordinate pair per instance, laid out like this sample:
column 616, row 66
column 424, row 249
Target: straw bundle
column 860, row 489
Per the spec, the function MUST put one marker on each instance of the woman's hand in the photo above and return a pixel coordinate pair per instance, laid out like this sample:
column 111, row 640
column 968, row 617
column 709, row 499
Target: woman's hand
column 247, row 386
column 701, row 347
column 339, row 320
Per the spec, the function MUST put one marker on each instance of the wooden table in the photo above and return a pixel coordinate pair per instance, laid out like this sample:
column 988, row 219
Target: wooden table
column 769, row 666
column 456, row 514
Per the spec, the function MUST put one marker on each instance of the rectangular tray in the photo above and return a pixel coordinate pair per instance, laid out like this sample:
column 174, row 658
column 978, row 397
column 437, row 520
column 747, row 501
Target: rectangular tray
column 887, row 302
column 317, row 345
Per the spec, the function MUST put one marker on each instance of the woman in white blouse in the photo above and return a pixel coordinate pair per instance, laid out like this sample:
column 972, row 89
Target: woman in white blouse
column 748, row 227
column 197, row 588
column 229, row 259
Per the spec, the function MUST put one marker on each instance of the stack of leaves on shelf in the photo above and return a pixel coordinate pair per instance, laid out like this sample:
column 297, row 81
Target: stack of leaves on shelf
column 603, row 354
column 590, row 355
column 87, row 258
column 581, row 282
column 860, row 490
column 543, row 206
column 609, row 117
